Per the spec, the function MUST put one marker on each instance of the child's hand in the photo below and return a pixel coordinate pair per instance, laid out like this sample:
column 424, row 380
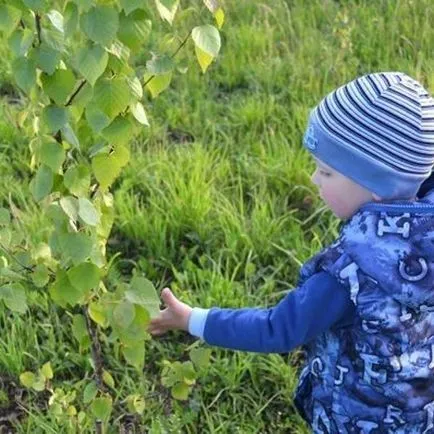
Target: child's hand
column 175, row 316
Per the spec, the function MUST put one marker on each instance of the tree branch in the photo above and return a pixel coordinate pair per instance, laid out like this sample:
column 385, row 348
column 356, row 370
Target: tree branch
column 98, row 427
column 69, row 102
column 173, row 55
column 38, row 27
column 95, row 350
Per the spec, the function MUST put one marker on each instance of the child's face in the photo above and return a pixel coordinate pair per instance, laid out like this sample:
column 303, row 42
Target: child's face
column 341, row 194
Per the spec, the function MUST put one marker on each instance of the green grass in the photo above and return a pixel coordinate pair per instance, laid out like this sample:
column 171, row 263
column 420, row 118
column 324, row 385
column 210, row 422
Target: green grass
column 217, row 203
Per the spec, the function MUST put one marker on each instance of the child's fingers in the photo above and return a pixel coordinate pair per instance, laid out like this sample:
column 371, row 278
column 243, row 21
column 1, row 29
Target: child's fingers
column 157, row 328
column 168, row 297
column 157, row 332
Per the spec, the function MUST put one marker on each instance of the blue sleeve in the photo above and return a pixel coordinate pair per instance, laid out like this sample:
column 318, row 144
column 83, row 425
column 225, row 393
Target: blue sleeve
column 305, row 312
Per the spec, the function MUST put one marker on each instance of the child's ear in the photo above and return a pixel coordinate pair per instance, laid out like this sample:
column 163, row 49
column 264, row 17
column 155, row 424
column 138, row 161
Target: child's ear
column 376, row 197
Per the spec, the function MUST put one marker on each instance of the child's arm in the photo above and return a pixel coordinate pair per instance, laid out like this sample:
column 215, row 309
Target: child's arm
column 301, row 315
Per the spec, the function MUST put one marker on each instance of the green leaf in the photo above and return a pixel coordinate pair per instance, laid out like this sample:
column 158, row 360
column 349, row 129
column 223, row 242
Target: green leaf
column 84, row 277
column 107, row 167
column 47, row 371
column 20, row 41
column 70, row 21
column 59, row 85
column 96, row 118
column 135, row 355
column 80, row 102
column 27, row 379
column 54, row 118
column 123, row 314
column 131, row 5
column 119, row 58
column 120, row 131
column 112, row 96
column 136, row 331
column 89, row 392
column 75, row 246
column 14, row 297
column 46, row 58
column 52, row 32
column 135, row 87
column 9, row 18
column 91, row 62
column 159, row 65
column 39, row 383
column 139, row 113
column 79, row 330
column 207, row 44
column 142, row 292
column 100, row 24
column 136, row 403
column 24, row 72
column 77, row 180
column 56, row 19
column 62, row 292
column 167, row 9
column 188, row 373
column 108, row 379
column 84, row 5
column 212, row 5
column 200, row 357
column 207, row 38
column 36, row 5
column 52, row 154
column 219, row 16
column 98, row 314
column 158, row 83
column 180, row 391
column 159, row 74
column 87, row 212
column 69, row 204
column 42, row 183
column 102, row 408
column 106, row 170
column 134, row 30
column 171, row 373
column 40, row 275
column 69, row 136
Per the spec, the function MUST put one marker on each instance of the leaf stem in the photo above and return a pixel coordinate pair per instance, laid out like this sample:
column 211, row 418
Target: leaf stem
column 184, row 41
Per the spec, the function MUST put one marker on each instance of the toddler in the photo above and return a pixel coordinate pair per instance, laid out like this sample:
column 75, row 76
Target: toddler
column 364, row 306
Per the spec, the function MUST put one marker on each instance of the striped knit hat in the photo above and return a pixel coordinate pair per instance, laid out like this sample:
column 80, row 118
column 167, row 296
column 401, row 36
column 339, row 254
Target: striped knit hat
column 377, row 130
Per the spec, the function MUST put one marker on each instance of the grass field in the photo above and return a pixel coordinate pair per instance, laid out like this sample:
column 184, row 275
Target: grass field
column 217, row 203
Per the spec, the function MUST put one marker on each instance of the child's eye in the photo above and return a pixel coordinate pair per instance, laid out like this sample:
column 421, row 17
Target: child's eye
column 323, row 173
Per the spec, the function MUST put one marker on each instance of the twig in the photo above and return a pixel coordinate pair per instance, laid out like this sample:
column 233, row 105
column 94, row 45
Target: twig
column 38, row 27
column 58, row 137
column 69, row 102
column 25, row 267
column 182, row 44
column 95, row 350
column 98, row 427
column 173, row 55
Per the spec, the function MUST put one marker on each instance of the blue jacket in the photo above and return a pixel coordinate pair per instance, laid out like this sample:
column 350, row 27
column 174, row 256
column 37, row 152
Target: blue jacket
column 370, row 360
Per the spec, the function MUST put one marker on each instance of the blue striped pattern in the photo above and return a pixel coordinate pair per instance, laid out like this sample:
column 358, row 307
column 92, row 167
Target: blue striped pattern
column 387, row 116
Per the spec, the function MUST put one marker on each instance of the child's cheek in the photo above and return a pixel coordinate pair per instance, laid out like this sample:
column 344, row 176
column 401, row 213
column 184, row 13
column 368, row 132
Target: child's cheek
column 335, row 203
